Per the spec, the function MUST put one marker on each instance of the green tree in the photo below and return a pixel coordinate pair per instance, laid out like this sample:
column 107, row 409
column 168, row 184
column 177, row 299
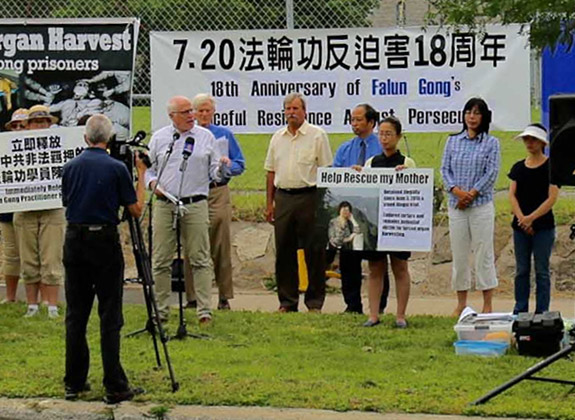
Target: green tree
column 551, row 22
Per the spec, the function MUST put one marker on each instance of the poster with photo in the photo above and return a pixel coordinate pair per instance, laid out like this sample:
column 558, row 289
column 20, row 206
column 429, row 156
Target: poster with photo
column 76, row 67
column 387, row 210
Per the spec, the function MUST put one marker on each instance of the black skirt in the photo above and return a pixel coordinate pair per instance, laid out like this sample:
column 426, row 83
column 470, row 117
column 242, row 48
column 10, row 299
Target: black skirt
column 380, row 255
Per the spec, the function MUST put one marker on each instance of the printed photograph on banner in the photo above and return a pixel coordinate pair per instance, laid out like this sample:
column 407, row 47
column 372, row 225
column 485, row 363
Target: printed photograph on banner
column 351, row 215
column 376, row 209
column 73, row 97
column 75, row 68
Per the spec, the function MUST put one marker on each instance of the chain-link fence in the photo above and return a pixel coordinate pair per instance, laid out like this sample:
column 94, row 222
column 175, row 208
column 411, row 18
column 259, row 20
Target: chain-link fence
column 199, row 15
column 221, row 15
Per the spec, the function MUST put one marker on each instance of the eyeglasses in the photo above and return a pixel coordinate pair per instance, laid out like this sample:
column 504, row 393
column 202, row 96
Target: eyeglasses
column 469, row 112
column 16, row 126
column 387, row 134
column 184, row 112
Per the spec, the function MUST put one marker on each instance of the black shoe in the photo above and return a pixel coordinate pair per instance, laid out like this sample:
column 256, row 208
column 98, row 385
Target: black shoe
column 118, row 397
column 224, row 305
column 349, row 310
column 73, row 393
column 192, row 304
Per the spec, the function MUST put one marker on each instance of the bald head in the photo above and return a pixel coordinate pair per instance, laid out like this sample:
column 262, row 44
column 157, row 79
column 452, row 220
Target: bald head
column 181, row 112
column 177, row 101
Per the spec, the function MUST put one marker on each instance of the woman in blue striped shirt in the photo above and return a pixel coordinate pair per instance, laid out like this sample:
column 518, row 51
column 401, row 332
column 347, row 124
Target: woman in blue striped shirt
column 469, row 168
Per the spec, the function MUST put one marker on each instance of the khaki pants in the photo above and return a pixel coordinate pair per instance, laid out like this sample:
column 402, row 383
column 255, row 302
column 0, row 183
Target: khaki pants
column 41, row 237
column 220, row 211
column 11, row 262
column 196, row 247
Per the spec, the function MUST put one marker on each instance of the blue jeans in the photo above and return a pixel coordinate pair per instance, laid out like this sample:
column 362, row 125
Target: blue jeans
column 538, row 245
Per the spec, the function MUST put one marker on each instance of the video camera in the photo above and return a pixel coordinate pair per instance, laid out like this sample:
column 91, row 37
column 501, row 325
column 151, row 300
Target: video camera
column 122, row 150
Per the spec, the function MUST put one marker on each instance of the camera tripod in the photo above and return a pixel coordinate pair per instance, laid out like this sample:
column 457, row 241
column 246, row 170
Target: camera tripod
column 528, row 374
column 122, row 152
column 153, row 324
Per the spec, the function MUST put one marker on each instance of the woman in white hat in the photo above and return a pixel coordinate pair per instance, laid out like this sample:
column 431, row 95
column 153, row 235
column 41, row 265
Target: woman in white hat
column 532, row 197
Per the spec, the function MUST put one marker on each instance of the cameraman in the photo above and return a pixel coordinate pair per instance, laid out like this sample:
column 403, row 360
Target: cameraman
column 94, row 186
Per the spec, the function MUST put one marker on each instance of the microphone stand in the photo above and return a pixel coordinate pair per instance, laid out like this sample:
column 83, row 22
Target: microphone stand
column 179, row 211
column 149, row 327
column 149, row 205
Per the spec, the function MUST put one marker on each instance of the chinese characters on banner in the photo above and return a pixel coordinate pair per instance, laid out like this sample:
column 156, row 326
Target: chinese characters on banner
column 424, row 78
column 31, row 167
column 392, row 210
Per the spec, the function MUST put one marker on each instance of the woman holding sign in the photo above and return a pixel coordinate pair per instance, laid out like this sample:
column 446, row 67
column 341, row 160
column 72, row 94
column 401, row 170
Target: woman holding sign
column 469, row 168
column 389, row 135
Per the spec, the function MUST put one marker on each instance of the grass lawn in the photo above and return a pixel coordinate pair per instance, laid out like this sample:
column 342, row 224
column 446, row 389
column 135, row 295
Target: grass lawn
column 292, row 360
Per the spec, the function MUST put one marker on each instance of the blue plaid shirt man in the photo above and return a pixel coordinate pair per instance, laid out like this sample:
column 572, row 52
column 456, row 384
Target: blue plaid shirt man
column 471, row 164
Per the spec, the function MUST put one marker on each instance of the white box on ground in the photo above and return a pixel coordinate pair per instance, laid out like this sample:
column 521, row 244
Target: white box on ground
column 484, row 330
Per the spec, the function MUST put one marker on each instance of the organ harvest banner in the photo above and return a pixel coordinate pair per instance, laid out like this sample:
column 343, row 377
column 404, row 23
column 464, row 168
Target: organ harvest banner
column 422, row 77
column 77, row 67
column 31, row 167
column 392, row 210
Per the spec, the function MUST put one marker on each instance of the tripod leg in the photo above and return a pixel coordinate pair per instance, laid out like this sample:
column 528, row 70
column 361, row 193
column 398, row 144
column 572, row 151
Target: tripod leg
column 145, row 273
column 163, row 340
column 135, row 333
column 150, row 328
column 525, row 375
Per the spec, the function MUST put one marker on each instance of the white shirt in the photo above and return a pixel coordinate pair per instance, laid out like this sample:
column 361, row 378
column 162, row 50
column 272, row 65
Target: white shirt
column 203, row 164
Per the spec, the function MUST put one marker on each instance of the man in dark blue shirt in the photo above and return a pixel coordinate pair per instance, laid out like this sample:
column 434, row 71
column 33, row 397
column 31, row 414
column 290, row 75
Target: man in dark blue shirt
column 94, row 186
column 357, row 151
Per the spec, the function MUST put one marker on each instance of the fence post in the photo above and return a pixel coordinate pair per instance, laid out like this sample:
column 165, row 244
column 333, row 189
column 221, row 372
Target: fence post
column 289, row 14
column 400, row 17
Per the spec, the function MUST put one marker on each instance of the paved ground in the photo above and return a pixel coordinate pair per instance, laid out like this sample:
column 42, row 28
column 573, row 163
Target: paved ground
column 63, row 410
column 418, row 305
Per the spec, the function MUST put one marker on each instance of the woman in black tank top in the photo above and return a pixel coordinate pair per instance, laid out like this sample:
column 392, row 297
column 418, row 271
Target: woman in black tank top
column 389, row 136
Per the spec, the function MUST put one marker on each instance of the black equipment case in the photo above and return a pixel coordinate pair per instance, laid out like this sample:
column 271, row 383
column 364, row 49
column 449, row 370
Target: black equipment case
column 538, row 335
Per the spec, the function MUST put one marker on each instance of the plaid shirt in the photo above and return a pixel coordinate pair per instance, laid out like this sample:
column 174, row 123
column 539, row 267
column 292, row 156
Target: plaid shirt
column 471, row 164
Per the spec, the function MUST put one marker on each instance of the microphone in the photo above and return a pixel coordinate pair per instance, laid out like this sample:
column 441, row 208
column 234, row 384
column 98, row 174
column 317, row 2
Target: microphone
column 188, row 147
column 187, row 152
column 175, row 137
column 140, row 135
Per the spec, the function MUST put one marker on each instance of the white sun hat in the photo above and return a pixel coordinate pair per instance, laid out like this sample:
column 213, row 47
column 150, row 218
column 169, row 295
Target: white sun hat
column 534, row 131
